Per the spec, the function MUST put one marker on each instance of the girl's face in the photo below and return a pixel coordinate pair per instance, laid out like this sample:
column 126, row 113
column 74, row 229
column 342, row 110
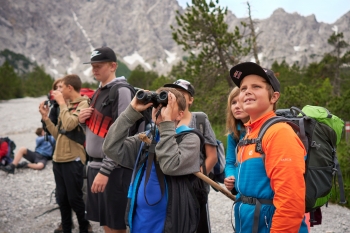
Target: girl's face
column 237, row 110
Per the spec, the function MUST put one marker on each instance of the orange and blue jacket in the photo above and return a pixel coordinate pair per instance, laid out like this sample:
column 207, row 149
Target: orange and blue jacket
column 278, row 177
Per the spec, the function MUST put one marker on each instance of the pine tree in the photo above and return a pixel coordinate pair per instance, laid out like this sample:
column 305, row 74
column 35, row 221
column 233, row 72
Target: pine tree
column 203, row 32
column 10, row 83
column 336, row 40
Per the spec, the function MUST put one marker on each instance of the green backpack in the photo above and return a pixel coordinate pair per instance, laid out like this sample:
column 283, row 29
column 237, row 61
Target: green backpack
column 320, row 132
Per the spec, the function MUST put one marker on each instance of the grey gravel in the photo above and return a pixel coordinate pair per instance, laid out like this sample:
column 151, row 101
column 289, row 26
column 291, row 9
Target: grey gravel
column 27, row 194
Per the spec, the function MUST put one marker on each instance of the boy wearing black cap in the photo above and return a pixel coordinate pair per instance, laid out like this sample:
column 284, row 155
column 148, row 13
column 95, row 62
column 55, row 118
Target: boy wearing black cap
column 107, row 181
column 271, row 190
column 190, row 119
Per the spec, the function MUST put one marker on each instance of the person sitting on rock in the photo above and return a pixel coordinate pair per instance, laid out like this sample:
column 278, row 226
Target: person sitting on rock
column 37, row 159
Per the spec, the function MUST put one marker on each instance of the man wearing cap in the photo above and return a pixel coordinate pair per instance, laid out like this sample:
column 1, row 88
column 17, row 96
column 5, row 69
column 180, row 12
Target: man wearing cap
column 271, row 188
column 107, row 181
column 189, row 119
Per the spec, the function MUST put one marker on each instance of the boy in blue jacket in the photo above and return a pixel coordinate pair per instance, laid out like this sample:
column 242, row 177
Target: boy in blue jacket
column 38, row 158
column 162, row 198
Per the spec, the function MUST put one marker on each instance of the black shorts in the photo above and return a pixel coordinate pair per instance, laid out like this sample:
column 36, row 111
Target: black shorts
column 34, row 157
column 108, row 208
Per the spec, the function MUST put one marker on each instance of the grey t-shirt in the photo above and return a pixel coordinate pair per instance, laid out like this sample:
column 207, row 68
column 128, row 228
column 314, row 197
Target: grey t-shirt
column 209, row 135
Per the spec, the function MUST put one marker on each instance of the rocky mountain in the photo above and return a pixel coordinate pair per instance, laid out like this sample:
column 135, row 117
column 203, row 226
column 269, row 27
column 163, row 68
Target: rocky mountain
column 60, row 35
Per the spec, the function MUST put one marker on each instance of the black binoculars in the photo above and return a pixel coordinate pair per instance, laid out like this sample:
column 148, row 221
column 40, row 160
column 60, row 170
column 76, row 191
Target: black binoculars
column 146, row 97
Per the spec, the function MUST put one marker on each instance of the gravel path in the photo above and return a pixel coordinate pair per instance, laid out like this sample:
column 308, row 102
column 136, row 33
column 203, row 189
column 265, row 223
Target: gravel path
column 26, row 194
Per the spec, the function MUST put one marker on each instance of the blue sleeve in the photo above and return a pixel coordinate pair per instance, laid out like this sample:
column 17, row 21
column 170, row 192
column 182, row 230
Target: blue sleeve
column 39, row 140
column 52, row 139
column 230, row 156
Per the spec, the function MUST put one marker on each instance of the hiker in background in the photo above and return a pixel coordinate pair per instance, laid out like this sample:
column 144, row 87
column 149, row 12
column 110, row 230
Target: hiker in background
column 69, row 156
column 162, row 199
column 235, row 119
column 55, row 109
column 38, row 158
column 189, row 119
column 271, row 189
column 107, row 182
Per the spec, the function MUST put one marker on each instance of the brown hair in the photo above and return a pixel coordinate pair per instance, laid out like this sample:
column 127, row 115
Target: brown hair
column 180, row 99
column 39, row 131
column 54, row 85
column 231, row 121
column 73, row 80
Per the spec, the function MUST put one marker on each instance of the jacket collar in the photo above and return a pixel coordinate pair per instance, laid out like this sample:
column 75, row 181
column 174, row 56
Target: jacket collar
column 260, row 121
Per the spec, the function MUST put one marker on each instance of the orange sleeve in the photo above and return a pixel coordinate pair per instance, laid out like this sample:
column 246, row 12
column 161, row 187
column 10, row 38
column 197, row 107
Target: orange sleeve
column 285, row 166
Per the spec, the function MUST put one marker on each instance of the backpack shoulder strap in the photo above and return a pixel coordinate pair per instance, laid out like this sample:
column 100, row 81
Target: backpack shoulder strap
column 113, row 95
column 180, row 136
column 267, row 124
column 200, row 121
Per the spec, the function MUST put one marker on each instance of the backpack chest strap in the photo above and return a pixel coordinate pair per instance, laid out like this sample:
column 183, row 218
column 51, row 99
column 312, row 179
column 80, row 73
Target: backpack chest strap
column 257, row 202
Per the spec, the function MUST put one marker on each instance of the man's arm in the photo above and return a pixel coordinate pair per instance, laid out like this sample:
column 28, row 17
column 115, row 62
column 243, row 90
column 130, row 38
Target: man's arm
column 212, row 158
column 117, row 145
column 210, row 146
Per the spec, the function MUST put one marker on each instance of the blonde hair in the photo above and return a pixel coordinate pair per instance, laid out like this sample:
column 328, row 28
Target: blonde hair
column 231, row 121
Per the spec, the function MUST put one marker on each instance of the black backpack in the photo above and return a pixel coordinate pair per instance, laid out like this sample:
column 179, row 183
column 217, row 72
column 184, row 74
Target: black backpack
column 114, row 95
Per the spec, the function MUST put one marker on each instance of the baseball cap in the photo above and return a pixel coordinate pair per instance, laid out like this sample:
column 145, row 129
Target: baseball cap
column 104, row 54
column 238, row 72
column 182, row 84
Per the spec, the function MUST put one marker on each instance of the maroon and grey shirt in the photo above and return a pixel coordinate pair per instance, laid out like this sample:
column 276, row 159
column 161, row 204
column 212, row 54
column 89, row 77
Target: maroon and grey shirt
column 96, row 127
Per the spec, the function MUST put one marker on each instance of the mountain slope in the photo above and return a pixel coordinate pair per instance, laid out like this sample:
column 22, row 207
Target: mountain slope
column 60, row 35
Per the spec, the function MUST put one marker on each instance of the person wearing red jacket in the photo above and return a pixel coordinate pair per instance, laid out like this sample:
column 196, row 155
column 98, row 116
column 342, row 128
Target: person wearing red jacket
column 271, row 187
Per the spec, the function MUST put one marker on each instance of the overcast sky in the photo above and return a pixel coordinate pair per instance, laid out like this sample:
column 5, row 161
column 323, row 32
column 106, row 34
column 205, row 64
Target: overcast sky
column 327, row 11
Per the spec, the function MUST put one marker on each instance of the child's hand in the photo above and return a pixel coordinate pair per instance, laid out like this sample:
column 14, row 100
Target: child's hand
column 167, row 112
column 229, row 182
column 44, row 110
column 57, row 95
column 85, row 114
column 138, row 106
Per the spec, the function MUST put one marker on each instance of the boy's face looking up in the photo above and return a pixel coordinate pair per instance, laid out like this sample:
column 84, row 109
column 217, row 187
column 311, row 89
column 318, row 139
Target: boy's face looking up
column 255, row 98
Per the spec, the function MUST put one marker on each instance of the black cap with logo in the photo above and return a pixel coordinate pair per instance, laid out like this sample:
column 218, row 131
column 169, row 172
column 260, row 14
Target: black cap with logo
column 238, row 72
column 182, row 84
column 104, row 54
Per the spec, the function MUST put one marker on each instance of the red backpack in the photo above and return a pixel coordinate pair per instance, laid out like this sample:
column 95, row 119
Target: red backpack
column 87, row 91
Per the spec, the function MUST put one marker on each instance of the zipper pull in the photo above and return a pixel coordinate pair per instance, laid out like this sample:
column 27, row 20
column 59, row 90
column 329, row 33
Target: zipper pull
column 267, row 225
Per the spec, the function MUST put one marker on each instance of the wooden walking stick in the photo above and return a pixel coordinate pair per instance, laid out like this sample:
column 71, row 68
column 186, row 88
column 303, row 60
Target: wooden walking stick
column 207, row 180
